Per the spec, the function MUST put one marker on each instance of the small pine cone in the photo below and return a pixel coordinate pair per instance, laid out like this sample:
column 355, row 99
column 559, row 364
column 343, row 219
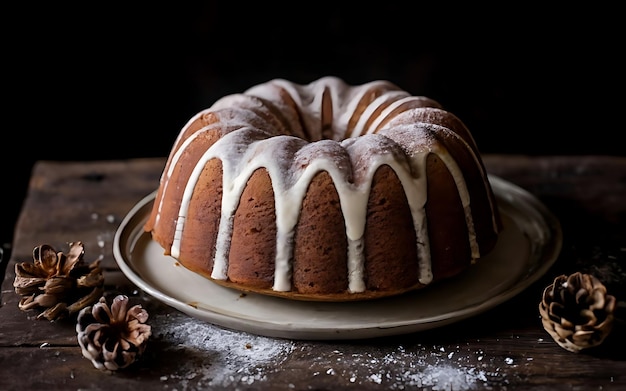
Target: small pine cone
column 59, row 284
column 577, row 311
column 113, row 338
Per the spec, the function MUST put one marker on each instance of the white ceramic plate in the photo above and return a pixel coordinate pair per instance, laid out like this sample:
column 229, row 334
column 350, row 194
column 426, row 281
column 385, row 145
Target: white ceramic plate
column 528, row 246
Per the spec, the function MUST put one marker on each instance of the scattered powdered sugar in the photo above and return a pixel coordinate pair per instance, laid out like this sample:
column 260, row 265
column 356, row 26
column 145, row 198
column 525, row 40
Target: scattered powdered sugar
column 423, row 367
column 212, row 356
column 204, row 355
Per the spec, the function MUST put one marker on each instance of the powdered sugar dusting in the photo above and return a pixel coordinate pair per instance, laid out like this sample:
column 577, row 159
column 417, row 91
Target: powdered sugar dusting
column 205, row 355
column 431, row 368
column 226, row 357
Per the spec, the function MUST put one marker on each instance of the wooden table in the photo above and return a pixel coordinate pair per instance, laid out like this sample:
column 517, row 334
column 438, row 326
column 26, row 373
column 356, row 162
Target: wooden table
column 503, row 348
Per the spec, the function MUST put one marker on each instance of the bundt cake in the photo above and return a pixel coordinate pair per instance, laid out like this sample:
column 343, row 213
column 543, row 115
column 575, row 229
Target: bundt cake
column 325, row 191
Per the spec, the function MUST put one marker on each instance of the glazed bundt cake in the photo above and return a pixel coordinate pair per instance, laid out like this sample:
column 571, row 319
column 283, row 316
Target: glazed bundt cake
column 325, row 191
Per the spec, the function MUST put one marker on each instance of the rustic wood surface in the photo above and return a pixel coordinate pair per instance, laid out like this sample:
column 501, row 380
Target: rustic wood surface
column 503, row 348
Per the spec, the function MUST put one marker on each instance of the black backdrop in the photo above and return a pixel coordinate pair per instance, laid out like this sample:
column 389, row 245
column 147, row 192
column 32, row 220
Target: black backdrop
column 119, row 81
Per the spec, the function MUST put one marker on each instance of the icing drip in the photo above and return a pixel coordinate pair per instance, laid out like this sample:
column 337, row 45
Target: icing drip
column 326, row 109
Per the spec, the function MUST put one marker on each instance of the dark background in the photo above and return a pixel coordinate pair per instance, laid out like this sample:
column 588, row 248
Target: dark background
column 118, row 81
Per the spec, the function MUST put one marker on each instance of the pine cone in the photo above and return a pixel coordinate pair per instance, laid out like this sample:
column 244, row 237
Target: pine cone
column 577, row 311
column 113, row 338
column 61, row 284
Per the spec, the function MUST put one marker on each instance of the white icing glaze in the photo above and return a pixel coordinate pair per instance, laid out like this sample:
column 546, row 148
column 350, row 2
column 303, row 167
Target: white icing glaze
column 245, row 148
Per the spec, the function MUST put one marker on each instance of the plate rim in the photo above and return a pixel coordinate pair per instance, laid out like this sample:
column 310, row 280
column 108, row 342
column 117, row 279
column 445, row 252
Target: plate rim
column 131, row 228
